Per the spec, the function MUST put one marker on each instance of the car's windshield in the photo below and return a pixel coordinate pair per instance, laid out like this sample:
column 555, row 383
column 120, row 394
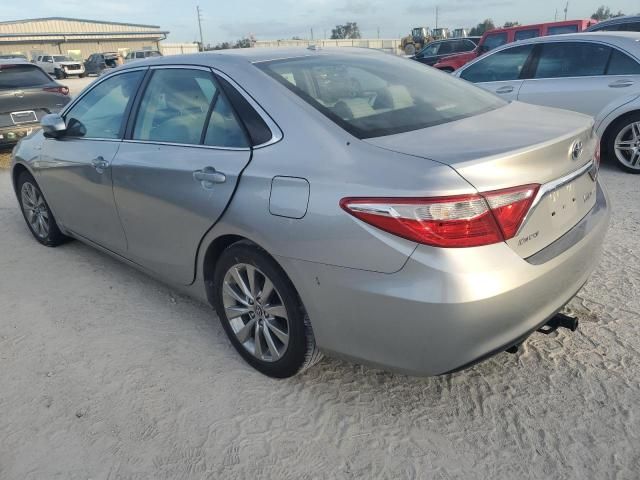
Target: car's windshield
column 22, row 76
column 376, row 95
column 61, row 58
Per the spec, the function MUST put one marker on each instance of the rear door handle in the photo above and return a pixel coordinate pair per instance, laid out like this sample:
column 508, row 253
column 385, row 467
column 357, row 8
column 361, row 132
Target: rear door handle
column 505, row 89
column 209, row 176
column 621, row 84
column 100, row 164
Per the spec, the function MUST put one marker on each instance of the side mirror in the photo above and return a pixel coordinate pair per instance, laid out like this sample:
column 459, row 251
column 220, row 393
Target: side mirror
column 53, row 125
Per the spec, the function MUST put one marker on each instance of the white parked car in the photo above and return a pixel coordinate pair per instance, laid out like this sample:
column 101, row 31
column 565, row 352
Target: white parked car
column 141, row 55
column 60, row 66
column 593, row 73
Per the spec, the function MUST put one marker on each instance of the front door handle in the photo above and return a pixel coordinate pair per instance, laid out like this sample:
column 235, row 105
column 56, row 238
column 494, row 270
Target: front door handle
column 100, row 164
column 209, row 176
column 505, row 89
column 621, row 84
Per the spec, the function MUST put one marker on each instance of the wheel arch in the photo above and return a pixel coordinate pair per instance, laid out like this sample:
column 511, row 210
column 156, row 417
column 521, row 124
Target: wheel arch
column 18, row 169
column 608, row 129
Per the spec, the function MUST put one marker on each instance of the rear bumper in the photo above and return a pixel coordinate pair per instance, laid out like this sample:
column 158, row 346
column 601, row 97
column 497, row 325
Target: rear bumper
column 11, row 135
column 447, row 308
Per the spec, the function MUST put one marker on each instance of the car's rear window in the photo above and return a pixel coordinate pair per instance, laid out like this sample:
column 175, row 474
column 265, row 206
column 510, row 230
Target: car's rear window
column 22, row 76
column 376, row 95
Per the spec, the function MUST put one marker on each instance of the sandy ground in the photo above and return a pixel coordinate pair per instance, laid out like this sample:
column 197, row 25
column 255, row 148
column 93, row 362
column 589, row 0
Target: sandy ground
column 75, row 86
column 107, row 374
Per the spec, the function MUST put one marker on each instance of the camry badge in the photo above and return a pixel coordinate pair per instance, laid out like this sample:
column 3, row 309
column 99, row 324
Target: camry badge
column 576, row 150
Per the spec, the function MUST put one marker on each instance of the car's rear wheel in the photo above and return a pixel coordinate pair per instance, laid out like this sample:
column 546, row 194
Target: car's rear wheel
column 262, row 313
column 37, row 213
column 623, row 143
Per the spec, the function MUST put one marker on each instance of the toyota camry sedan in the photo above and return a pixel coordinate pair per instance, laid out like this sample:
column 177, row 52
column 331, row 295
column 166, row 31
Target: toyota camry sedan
column 344, row 202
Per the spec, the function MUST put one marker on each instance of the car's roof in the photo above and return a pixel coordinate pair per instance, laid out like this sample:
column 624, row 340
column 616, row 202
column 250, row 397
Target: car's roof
column 245, row 56
column 629, row 40
column 616, row 21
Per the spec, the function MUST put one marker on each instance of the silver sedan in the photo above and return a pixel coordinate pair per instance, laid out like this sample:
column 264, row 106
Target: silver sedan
column 338, row 201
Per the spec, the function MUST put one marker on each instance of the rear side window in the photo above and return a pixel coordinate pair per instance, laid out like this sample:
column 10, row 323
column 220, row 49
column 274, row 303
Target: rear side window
column 376, row 95
column 494, row 40
column 22, row 76
column 524, row 34
column 572, row 59
column 622, row 64
column 100, row 113
column 501, row 66
column 562, row 29
column 182, row 105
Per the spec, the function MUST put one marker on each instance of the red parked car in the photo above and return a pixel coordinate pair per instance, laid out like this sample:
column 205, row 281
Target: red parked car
column 500, row 36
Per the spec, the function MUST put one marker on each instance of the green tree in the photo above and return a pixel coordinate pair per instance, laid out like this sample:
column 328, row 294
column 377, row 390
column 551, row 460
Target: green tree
column 604, row 13
column 348, row 30
column 482, row 27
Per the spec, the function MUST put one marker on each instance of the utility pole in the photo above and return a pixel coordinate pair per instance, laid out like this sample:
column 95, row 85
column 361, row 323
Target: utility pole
column 378, row 33
column 200, row 27
column 566, row 7
column 555, row 19
column 311, row 33
column 437, row 11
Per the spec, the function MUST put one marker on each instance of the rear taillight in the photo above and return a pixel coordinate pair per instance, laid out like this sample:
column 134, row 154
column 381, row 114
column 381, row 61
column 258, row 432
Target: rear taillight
column 63, row 90
column 453, row 222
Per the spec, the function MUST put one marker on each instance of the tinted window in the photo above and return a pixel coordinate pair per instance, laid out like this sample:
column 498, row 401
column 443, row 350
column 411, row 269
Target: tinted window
column 46, row 59
column 621, row 64
column 139, row 54
column 569, row 59
column 463, row 46
column 375, row 95
column 524, row 34
column 562, row 29
column 22, row 76
column 175, row 106
column 224, row 130
column 494, row 40
column 430, row 50
column 61, row 58
column 446, row 48
column 501, row 66
column 100, row 113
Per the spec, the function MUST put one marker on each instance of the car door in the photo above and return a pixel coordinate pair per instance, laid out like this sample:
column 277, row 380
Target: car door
column 47, row 64
column 75, row 170
column 178, row 168
column 573, row 75
column 500, row 72
column 429, row 54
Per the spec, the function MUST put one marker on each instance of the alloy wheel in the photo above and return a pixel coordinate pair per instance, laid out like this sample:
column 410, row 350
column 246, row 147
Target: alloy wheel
column 256, row 312
column 35, row 209
column 627, row 146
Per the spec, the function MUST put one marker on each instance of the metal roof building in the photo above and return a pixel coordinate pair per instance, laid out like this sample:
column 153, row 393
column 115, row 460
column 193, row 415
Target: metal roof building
column 76, row 37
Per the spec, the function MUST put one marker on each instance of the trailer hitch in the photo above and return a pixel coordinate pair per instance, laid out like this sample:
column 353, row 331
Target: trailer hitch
column 557, row 321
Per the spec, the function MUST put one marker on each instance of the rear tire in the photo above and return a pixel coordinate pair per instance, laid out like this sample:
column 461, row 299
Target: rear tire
column 36, row 212
column 622, row 143
column 262, row 313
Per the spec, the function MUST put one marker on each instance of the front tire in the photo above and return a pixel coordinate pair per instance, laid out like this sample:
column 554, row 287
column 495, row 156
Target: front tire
column 622, row 143
column 36, row 212
column 262, row 313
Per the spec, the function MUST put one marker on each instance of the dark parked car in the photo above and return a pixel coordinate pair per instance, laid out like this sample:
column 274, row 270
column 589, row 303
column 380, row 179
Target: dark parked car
column 434, row 51
column 98, row 62
column 630, row 23
column 27, row 94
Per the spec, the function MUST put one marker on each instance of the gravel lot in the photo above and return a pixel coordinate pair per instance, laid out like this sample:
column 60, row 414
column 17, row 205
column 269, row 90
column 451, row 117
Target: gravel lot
column 107, row 374
column 75, row 86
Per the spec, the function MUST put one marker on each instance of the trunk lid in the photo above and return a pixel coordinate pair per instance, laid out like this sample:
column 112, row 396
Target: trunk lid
column 36, row 99
column 516, row 145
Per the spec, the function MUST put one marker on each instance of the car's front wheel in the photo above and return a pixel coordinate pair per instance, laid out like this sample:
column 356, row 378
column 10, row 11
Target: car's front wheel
column 37, row 213
column 262, row 313
column 622, row 143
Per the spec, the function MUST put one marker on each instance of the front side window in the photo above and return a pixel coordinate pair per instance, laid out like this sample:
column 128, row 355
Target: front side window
column 446, row 48
column 376, row 95
column 524, row 34
column 562, row 29
column 622, row 64
column 61, row 58
column 46, row 59
column 101, row 112
column 177, row 107
column 501, row 66
column 139, row 54
column 430, row 50
column 572, row 59
column 494, row 40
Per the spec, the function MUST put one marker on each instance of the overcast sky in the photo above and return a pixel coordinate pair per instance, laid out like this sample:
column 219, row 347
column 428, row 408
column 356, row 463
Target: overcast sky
column 273, row 19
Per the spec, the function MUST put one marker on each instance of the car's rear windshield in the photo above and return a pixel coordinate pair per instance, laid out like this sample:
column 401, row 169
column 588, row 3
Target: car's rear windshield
column 377, row 95
column 22, row 76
